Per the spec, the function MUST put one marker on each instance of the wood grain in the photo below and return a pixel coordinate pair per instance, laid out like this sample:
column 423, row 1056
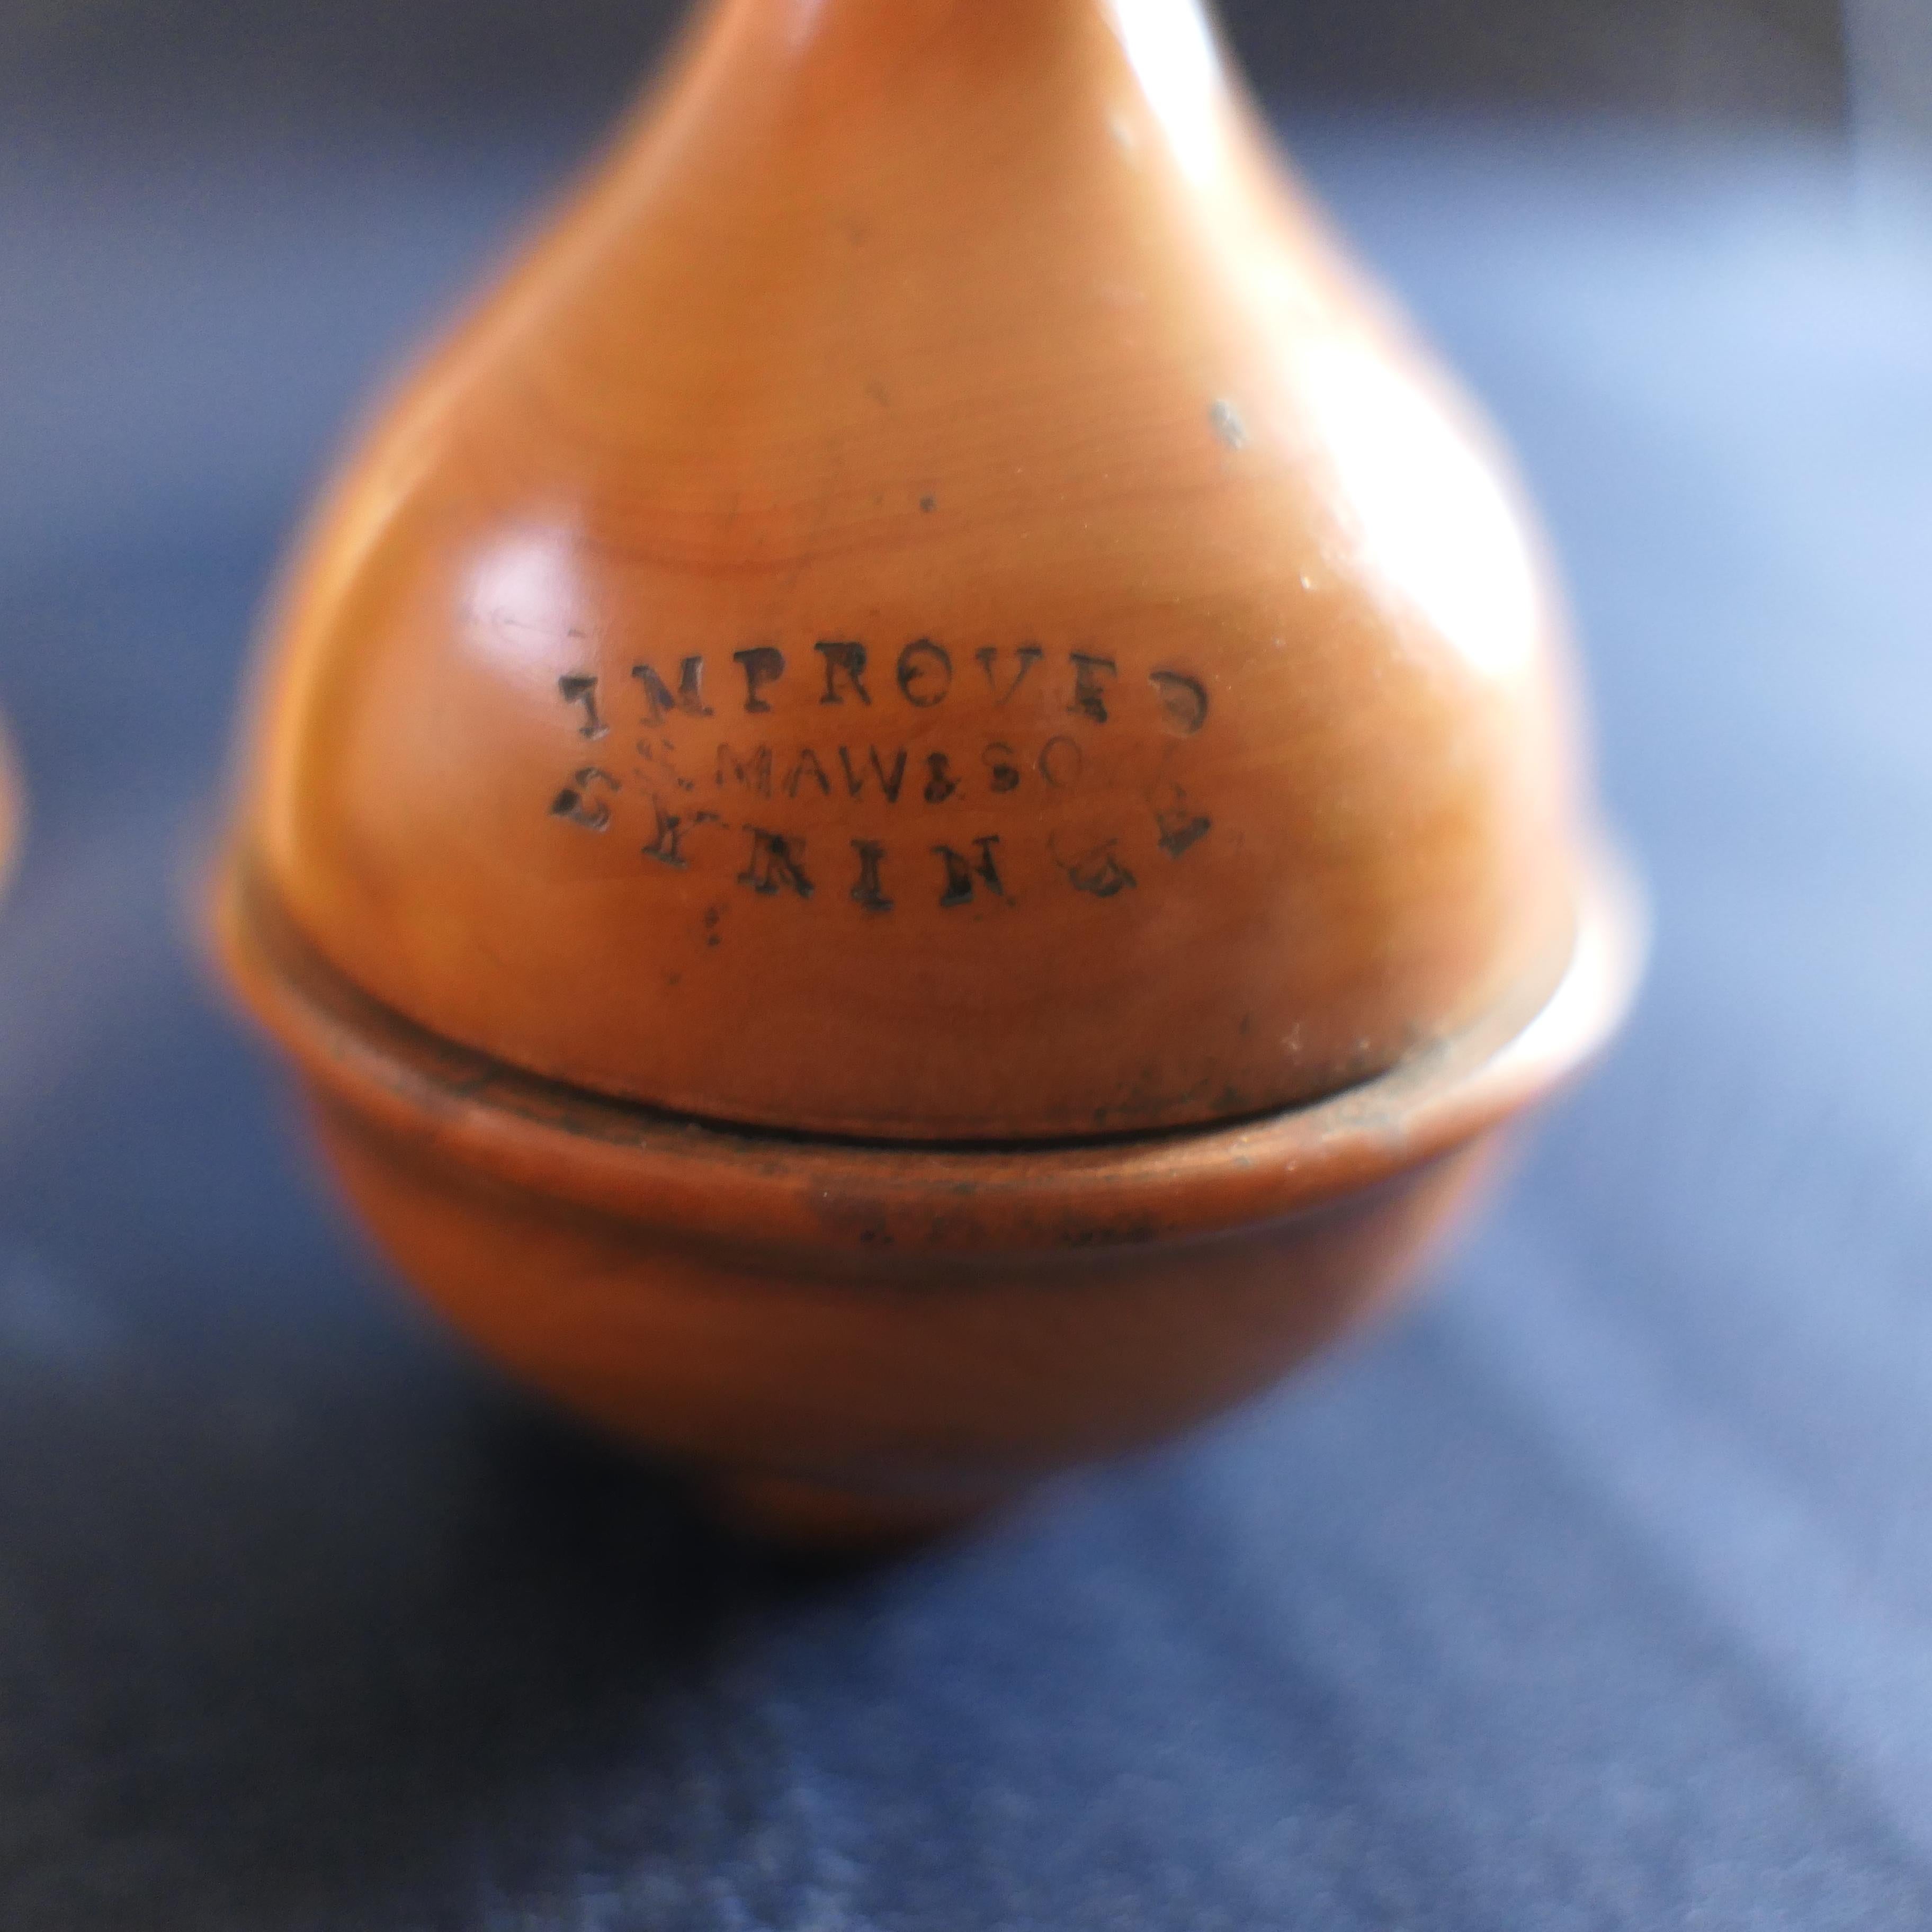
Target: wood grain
column 932, row 609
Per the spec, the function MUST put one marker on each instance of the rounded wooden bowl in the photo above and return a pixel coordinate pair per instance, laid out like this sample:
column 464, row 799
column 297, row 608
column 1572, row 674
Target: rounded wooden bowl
column 851, row 1338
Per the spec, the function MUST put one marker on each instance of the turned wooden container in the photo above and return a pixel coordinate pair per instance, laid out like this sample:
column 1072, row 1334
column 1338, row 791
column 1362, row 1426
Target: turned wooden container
column 914, row 811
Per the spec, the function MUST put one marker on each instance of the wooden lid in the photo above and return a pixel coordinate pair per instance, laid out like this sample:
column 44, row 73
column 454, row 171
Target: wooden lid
column 931, row 605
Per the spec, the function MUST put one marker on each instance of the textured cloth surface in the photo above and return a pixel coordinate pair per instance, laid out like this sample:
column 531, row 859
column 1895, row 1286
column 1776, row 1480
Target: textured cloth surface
column 1594, row 1591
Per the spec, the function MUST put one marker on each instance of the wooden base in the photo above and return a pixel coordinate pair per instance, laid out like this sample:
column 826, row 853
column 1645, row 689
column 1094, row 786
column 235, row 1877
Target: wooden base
column 856, row 1345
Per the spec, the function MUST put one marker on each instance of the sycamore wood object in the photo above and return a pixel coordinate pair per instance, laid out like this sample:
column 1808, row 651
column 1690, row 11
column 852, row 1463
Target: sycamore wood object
column 914, row 811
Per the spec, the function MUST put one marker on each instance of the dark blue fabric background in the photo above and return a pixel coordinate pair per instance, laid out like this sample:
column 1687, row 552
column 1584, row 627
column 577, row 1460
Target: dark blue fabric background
column 1595, row 1591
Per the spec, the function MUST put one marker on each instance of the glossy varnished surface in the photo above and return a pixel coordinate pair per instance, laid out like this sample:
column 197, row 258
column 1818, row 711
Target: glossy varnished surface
column 931, row 604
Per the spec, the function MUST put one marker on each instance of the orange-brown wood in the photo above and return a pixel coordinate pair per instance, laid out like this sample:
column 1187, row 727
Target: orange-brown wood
column 912, row 805
column 866, row 1337
column 10, row 810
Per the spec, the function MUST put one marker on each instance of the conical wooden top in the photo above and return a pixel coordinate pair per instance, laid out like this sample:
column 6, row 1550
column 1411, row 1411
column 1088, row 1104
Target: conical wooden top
column 931, row 605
